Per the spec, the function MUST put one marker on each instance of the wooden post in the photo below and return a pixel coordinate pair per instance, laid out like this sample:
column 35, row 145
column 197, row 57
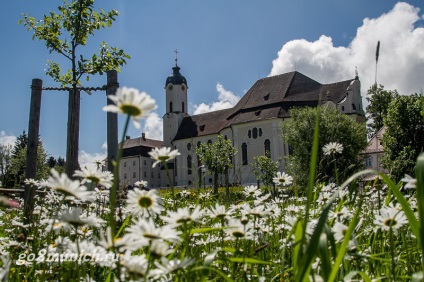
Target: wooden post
column 31, row 153
column 72, row 142
column 112, row 120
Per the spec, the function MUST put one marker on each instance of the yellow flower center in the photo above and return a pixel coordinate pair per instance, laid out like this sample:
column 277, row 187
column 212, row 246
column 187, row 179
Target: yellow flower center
column 130, row 110
column 145, row 202
column 390, row 222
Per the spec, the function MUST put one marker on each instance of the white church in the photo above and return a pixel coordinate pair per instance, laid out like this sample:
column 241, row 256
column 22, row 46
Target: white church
column 253, row 125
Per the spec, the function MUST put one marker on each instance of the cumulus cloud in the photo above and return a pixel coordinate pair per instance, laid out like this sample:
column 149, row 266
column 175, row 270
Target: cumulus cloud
column 153, row 126
column 6, row 139
column 400, row 64
column 89, row 160
column 226, row 99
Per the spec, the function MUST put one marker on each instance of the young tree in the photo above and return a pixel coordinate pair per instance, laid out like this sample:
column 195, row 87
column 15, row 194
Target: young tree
column 379, row 101
column 404, row 136
column 63, row 33
column 265, row 169
column 298, row 132
column 218, row 157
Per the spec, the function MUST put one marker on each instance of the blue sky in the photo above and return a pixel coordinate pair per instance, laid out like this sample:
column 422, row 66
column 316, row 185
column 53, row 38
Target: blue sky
column 224, row 47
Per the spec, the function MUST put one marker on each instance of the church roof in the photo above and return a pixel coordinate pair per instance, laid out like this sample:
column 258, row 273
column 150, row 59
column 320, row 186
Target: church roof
column 203, row 124
column 270, row 97
column 140, row 146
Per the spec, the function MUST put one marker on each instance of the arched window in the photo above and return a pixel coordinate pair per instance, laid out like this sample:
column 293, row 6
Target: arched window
column 170, row 107
column 244, row 154
column 182, row 107
column 255, row 133
column 353, row 107
column 343, row 108
column 267, row 145
column 209, row 142
column 189, row 164
column 249, row 133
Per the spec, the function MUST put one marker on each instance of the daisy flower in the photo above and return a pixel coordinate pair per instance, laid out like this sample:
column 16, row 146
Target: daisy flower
column 143, row 232
column 135, row 264
column 252, row 191
column 390, row 218
column 61, row 183
column 95, row 175
column 410, row 182
column 182, row 215
column 77, row 218
column 282, row 179
column 131, row 102
column 219, row 211
column 144, row 203
column 339, row 230
column 141, row 184
column 332, row 148
column 32, row 182
column 162, row 155
column 169, row 266
column 236, row 230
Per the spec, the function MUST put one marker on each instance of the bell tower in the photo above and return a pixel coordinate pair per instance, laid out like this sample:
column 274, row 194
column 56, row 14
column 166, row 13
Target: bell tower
column 176, row 103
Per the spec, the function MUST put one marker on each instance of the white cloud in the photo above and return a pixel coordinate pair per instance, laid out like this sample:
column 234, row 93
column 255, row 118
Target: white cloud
column 400, row 64
column 226, row 99
column 153, row 126
column 6, row 139
column 89, row 160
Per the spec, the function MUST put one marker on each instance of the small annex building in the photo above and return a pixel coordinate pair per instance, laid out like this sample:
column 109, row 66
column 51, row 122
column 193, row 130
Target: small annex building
column 253, row 125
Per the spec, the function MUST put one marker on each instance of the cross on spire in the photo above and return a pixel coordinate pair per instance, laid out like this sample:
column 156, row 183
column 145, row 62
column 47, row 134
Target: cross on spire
column 176, row 57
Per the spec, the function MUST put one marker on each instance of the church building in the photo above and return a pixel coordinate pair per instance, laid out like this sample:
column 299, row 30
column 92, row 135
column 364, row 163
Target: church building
column 253, row 125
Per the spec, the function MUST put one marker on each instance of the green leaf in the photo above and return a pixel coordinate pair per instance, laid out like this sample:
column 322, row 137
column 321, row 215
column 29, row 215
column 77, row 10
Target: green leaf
column 124, row 224
column 413, row 222
column 342, row 251
column 419, row 175
column 248, row 260
column 352, row 274
column 223, row 275
column 205, row 230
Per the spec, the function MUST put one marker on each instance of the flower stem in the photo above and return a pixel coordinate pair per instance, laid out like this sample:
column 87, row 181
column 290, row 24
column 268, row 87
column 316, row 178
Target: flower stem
column 113, row 190
column 170, row 183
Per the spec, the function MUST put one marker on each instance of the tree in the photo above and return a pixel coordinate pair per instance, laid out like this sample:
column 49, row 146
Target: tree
column 217, row 157
column 5, row 164
column 20, row 143
column 264, row 168
column 298, row 132
column 60, row 165
column 51, row 162
column 63, row 33
column 18, row 161
column 379, row 101
column 404, row 136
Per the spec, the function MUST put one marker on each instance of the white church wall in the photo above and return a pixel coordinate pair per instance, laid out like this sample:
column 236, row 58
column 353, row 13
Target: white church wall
column 136, row 168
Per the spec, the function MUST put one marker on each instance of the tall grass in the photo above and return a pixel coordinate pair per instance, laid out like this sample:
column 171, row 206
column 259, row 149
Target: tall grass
column 333, row 233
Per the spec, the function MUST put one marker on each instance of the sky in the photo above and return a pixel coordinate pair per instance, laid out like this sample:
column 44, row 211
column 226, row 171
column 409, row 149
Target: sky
column 223, row 46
